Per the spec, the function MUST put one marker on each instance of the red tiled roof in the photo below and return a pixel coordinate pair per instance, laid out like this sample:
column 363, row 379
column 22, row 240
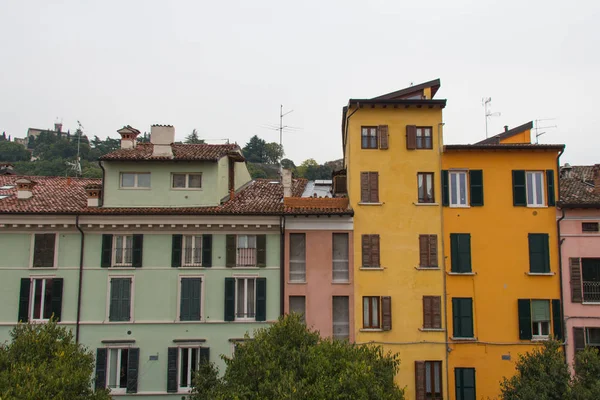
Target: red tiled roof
column 577, row 187
column 181, row 152
column 58, row 195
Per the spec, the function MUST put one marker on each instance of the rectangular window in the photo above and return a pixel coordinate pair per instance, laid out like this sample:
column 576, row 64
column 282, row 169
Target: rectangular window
column 458, row 189
column 535, row 188
column 192, row 251
column 370, row 251
column 132, row 180
column 43, row 250
column 462, row 317
column 186, row 181
column 432, row 312
column 424, row 137
column 298, row 306
column 428, row 251
column 425, row 184
column 433, row 380
column 120, row 299
column 539, row 253
column 189, row 359
column 297, row 257
column 540, row 318
column 190, row 293
column 593, row 337
column 369, row 187
column 341, row 317
column 117, row 366
column 340, row 257
column 369, row 137
column 371, row 314
column 246, row 251
column 41, row 299
column 460, row 252
column 464, row 381
column 589, row 227
column 122, row 250
column 590, row 269
column 245, row 299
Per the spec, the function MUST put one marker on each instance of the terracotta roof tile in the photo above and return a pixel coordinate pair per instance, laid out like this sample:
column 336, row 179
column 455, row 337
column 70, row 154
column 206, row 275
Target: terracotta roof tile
column 181, row 152
column 577, row 187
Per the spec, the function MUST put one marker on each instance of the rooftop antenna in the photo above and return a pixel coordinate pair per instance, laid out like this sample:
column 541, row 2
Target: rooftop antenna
column 281, row 128
column 76, row 165
column 486, row 102
column 538, row 127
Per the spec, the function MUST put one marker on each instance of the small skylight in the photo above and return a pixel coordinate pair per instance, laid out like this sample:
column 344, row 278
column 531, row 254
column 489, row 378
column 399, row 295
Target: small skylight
column 6, row 187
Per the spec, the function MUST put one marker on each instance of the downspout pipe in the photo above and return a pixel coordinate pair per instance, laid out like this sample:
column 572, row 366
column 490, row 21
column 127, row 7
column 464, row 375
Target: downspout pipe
column 560, row 265
column 346, row 133
column 282, row 264
column 102, row 191
column 82, row 245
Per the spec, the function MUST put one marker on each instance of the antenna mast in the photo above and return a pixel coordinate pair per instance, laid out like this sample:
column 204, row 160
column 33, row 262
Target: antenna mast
column 486, row 102
column 537, row 128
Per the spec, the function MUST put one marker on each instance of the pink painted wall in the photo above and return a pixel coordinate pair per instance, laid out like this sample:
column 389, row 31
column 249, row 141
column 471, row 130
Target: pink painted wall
column 319, row 288
column 577, row 244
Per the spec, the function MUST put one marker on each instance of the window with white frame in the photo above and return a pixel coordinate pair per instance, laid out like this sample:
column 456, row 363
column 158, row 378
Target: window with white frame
column 135, row 180
column 41, row 299
column 122, row 250
column 535, row 188
column 246, row 250
column 297, row 257
column 424, row 137
column 186, row 181
column 192, row 251
column 340, row 257
column 117, row 366
column 245, row 298
column 540, row 318
column 458, row 189
column 189, row 359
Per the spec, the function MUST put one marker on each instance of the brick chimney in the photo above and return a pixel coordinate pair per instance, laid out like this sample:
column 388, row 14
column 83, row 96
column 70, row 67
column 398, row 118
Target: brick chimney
column 128, row 136
column 162, row 136
column 24, row 188
column 597, row 178
column 93, row 191
column 286, row 181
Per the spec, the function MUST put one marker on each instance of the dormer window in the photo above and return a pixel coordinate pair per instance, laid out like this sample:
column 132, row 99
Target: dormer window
column 186, row 181
column 135, row 180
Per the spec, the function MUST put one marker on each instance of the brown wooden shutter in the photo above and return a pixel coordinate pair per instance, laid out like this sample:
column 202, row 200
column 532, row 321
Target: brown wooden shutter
column 364, row 187
column 382, row 131
column 366, row 250
column 436, row 312
column 427, row 312
column 433, row 251
column 386, row 313
column 375, row 258
column 579, row 339
column 411, row 137
column 575, row 272
column 420, row 380
column 424, row 251
column 374, row 187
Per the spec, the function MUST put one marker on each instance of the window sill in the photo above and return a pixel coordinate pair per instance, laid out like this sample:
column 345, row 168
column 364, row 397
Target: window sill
column 427, row 268
column 200, row 321
column 296, row 283
column 432, row 330
column 591, row 303
column 464, row 339
column 371, row 330
column 340, row 282
column 134, row 188
column 371, row 268
column 192, row 266
column 462, row 273
column 528, row 206
column 121, row 267
column 41, row 268
column 187, row 189
column 540, row 273
column 457, row 206
column 426, row 204
column 540, row 339
column 370, row 204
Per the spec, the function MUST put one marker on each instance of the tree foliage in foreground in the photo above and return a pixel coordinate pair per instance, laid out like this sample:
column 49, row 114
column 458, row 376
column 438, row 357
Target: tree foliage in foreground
column 43, row 362
column 289, row 361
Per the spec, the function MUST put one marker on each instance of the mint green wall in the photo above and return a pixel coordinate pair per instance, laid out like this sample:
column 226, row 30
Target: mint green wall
column 242, row 176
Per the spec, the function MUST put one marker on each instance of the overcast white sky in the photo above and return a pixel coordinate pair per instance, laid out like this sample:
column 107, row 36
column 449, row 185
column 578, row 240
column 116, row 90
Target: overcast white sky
column 223, row 67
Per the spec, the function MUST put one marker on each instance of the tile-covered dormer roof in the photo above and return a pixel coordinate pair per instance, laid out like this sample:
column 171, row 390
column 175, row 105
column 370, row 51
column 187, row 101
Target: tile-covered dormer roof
column 577, row 187
column 181, row 152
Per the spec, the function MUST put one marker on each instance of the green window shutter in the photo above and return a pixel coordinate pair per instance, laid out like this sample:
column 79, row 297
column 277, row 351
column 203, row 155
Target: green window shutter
column 476, row 187
column 115, row 298
column 557, row 320
column 176, row 250
column 519, row 189
column 261, row 299
column 460, row 252
column 126, row 300
column 207, row 251
column 524, row 306
column 575, row 275
column 539, row 253
column 190, row 299
column 204, row 354
column 465, row 383
column 579, row 339
column 456, row 327
column 24, row 300
column 261, row 250
column 185, row 300
column 550, row 187
column 229, row 299
column 454, row 253
column 100, row 381
column 462, row 317
column 133, row 365
column 172, row 363
column 138, row 246
column 57, row 291
column 106, row 256
column 230, row 251
column 445, row 189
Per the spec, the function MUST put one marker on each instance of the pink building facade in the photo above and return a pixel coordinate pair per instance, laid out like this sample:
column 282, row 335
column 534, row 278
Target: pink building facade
column 579, row 220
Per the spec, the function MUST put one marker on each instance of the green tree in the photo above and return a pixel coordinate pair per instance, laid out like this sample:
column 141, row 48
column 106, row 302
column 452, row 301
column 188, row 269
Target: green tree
column 193, row 138
column 3, row 137
column 11, row 151
column 42, row 361
column 254, row 150
column 586, row 382
column 273, row 153
column 289, row 361
column 303, row 169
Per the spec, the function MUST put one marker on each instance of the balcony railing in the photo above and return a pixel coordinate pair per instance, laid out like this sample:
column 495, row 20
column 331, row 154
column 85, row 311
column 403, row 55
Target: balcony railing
column 246, row 257
column 591, row 292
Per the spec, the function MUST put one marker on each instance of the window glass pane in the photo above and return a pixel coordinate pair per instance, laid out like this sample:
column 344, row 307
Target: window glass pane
column 429, row 185
column 37, row 298
column 241, row 296
column 185, row 354
column 118, row 249
column 463, row 188
column 298, row 305
column 197, row 249
column 529, row 188
column 113, row 368
column 178, row 180
column 340, row 257
column 195, row 181
column 251, row 299
column 187, row 249
column 297, row 256
column 242, row 241
column 341, row 317
column 375, row 312
column 143, row 180
column 252, row 241
column 123, row 370
column 128, row 249
column 366, row 317
column 48, row 298
column 538, row 188
column 421, row 188
column 540, row 310
column 453, row 189
column 436, row 374
column 127, row 180
column 428, row 377
column 593, row 336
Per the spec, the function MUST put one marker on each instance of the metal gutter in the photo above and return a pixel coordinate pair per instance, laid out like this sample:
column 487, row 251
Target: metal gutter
column 80, row 279
column 282, row 264
column 102, row 191
column 560, row 267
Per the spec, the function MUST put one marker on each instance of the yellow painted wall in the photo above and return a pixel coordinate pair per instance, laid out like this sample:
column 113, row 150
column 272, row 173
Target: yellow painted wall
column 522, row 137
column 399, row 222
column 500, row 259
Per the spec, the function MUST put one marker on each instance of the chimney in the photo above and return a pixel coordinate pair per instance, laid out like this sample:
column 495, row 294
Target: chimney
column 128, row 136
column 565, row 171
column 93, row 191
column 505, row 128
column 286, row 181
column 162, row 136
column 24, row 188
column 58, row 127
column 597, row 178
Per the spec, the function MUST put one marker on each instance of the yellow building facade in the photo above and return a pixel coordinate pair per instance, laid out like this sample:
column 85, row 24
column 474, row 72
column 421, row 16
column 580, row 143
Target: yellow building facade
column 502, row 262
column 392, row 155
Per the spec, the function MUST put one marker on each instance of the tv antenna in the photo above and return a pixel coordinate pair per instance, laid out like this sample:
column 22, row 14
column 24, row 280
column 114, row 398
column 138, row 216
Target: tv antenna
column 281, row 128
column 538, row 127
column 486, row 102
column 76, row 165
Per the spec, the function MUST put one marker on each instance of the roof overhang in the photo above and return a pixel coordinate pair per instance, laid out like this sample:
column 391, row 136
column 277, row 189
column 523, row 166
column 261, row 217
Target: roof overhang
column 400, row 103
column 503, row 147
